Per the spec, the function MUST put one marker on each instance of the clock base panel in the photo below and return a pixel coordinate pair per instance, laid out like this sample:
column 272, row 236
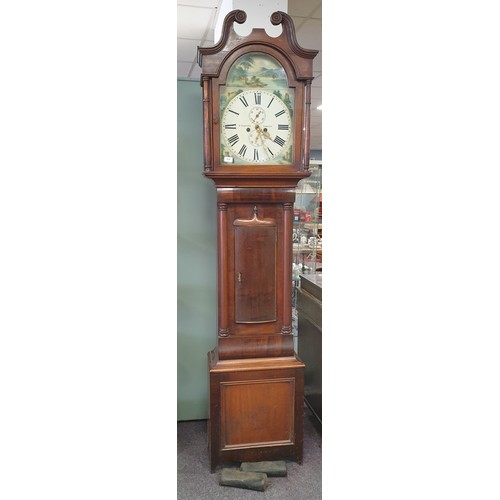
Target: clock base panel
column 255, row 409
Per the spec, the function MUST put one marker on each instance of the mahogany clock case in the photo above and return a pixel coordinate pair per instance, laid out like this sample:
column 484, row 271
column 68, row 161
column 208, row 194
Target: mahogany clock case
column 255, row 159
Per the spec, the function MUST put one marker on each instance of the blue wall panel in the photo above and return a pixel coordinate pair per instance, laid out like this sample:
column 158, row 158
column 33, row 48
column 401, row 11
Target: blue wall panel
column 196, row 257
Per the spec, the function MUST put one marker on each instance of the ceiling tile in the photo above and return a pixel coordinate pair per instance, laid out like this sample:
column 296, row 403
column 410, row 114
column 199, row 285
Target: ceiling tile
column 195, row 72
column 187, row 49
column 303, row 9
column 318, row 63
column 192, row 22
column 315, row 102
column 309, row 34
column 318, row 80
column 317, row 93
column 199, row 3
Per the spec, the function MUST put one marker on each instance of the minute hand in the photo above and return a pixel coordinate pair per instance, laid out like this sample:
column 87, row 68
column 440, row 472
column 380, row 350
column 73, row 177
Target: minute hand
column 266, row 135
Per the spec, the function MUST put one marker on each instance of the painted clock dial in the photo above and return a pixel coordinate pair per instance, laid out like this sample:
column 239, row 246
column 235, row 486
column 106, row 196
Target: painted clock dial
column 256, row 127
column 256, row 109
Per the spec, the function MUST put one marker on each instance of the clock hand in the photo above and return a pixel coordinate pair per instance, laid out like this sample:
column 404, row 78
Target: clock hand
column 261, row 139
column 264, row 133
column 256, row 116
column 260, row 132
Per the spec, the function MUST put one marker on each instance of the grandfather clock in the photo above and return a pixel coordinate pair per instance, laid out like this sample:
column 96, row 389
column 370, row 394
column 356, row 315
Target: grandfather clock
column 256, row 111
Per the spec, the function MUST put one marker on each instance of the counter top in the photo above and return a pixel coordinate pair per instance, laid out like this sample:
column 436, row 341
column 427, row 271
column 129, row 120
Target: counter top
column 312, row 283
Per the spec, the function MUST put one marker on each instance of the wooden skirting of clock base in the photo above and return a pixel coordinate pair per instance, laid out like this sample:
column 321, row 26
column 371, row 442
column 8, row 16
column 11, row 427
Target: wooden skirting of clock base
column 255, row 409
column 256, row 346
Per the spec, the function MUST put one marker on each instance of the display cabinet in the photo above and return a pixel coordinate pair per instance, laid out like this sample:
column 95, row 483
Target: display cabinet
column 307, row 233
column 307, row 222
column 309, row 319
column 307, row 297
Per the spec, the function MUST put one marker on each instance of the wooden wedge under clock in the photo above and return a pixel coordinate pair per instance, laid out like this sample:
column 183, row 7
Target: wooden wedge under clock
column 256, row 112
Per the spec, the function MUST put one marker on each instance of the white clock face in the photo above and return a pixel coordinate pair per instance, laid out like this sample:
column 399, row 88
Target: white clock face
column 256, row 127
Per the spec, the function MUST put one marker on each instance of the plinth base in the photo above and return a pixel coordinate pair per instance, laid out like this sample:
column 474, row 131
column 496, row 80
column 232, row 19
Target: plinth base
column 256, row 409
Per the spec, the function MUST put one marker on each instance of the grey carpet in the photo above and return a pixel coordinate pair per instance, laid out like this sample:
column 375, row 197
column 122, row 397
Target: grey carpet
column 196, row 482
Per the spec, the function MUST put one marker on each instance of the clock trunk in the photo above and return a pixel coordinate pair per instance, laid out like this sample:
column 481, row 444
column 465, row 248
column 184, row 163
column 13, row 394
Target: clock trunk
column 254, row 270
